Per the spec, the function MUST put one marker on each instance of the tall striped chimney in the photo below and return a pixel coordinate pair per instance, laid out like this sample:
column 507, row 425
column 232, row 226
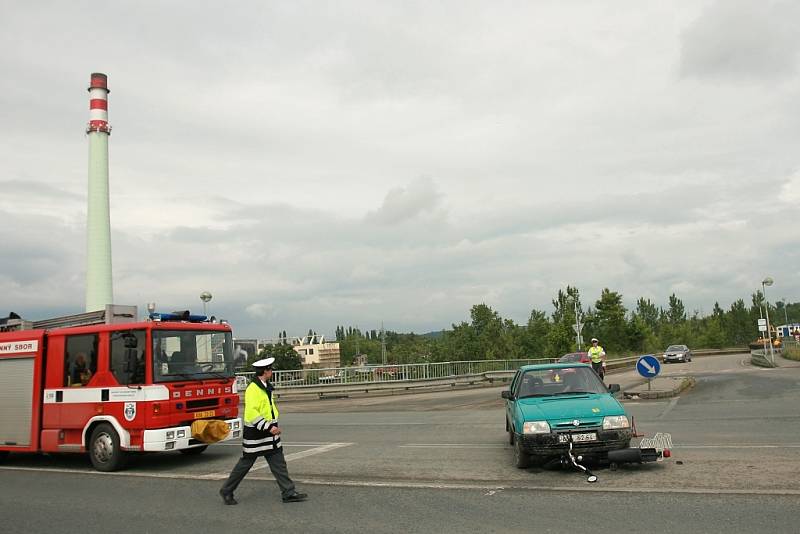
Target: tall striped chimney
column 99, row 290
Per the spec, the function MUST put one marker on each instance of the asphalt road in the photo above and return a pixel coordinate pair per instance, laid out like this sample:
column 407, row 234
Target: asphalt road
column 440, row 461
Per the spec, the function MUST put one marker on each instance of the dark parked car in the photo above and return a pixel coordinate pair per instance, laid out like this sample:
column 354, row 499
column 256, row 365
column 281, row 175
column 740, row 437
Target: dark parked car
column 677, row 353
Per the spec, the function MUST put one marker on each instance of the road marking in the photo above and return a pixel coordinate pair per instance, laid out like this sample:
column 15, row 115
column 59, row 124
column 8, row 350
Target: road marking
column 289, row 457
column 453, row 446
column 498, row 487
column 743, row 446
column 676, row 446
column 318, row 450
column 488, row 485
column 308, row 444
column 669, row 407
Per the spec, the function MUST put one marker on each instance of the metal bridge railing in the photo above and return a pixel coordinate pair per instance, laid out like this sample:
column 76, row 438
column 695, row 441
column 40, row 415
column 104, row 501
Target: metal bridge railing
column 377, row 374
column 408, row 375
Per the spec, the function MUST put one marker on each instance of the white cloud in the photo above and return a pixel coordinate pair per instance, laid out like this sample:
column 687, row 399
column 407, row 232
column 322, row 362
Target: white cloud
column 314, row 167
column 742, row 40
column 260, row 311
column 790, row 191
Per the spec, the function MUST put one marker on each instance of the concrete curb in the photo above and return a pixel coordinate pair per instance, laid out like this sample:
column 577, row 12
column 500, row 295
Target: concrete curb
column 760, row 360
column 641, row 392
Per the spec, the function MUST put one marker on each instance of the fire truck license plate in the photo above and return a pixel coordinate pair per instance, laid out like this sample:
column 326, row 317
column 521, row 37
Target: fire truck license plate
column 203, row 415
column 577, row 438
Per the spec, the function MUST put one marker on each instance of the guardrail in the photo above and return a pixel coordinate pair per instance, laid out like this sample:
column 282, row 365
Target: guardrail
column 342, row 380
column 379, row 376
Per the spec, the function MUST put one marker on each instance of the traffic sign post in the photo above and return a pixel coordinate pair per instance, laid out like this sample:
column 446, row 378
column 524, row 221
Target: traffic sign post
column 577, row 327
column 762, row 327
column 648, row 367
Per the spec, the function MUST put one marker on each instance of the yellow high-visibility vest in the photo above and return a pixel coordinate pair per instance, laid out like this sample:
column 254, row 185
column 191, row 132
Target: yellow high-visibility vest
column 595, row 354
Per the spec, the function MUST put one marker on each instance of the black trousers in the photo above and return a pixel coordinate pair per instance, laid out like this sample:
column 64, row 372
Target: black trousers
column 277, row 464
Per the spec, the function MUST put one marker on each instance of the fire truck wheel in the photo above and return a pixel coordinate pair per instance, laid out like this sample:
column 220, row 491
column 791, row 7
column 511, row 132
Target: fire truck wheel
column 194, row 451
column 3, row 455
column 104, row 449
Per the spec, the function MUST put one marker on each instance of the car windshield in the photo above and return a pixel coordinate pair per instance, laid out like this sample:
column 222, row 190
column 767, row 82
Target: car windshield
column 676, row 348
column 564, row 381
column 191, row 355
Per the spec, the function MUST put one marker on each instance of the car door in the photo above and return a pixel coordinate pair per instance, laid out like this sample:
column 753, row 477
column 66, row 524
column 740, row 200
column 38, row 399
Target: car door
column 510, row 402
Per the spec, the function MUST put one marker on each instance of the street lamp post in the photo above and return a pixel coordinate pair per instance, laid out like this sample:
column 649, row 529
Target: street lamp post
column 785, row 316
column 578, row 325
column 205, row 296
column 764, row 284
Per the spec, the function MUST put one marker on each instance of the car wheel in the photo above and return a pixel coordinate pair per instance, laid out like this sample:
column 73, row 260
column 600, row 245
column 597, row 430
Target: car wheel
column 521, row 458
column 194, row 451
column 104, row 449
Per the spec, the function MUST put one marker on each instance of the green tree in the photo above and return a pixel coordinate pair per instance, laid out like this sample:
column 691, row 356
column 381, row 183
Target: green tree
column 676, row 313
column 609, row 321
column 285, row 356
column 534, row 336
column 739, row 328
column 647, row 312
column 638, row 333
column 713, row 335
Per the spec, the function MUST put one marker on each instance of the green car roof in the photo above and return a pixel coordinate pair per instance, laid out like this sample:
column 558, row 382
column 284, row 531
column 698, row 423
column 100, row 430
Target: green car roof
column 546, row 366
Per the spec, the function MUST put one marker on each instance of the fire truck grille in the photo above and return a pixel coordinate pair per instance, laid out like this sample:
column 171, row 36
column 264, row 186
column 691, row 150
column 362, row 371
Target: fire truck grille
column 200, row 403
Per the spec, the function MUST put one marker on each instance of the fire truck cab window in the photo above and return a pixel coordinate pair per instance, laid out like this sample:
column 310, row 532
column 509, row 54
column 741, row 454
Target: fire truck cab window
column 128, row 356
column 80, row 360
column 189, row 355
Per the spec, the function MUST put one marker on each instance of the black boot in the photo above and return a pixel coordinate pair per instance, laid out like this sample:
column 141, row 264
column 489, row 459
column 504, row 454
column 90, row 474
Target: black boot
column 296, row 497
column 227, row 498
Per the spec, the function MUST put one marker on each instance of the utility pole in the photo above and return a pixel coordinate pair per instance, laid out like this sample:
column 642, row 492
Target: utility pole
column 383, row 344
column 577, row 326
column 768, row 281
column 785, row 315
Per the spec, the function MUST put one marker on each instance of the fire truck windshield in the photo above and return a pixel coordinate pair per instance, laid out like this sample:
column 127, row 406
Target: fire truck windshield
column 191, row 355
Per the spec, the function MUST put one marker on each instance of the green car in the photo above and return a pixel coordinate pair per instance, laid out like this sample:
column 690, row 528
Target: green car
column 560, row 412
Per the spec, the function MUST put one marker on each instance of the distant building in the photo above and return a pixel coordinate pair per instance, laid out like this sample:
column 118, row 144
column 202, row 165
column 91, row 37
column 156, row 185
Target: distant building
column 787, row 330
column 314, row 351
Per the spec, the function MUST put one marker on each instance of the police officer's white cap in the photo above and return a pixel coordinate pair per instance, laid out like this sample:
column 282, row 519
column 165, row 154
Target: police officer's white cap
column 266, row 362
column 594, row 339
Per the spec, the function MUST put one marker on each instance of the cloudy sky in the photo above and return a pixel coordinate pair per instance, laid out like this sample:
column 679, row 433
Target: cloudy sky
column 317, row 164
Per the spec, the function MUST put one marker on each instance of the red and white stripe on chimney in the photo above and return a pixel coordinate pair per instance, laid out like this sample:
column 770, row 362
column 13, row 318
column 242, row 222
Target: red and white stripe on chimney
column 98, row 104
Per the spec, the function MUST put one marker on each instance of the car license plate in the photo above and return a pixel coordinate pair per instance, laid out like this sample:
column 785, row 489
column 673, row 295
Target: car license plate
column 203, row 415
column 577, row 438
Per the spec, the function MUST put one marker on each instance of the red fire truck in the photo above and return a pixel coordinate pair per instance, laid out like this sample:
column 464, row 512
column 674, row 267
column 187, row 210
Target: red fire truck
column 110, row 385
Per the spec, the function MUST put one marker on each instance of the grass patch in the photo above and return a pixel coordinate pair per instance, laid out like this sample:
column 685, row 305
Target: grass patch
column 791, row 353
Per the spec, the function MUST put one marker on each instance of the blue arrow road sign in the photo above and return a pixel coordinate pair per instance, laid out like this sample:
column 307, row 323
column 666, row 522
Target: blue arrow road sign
column 648, row 366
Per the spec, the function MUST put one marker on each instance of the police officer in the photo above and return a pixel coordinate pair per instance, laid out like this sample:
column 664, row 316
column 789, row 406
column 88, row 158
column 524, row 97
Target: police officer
column 261, row 437
column 598, row 357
